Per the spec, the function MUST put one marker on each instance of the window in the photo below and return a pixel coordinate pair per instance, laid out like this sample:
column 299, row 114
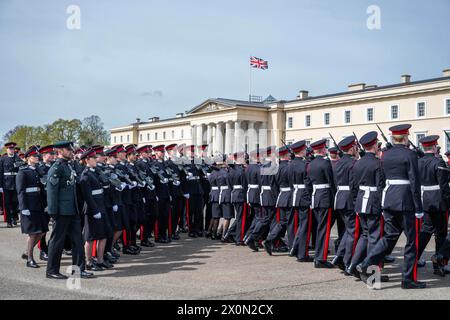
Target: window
column 115, row 140
column 347, row 116
column 421, row 109
column 394, row 112
column 182, row 133
column 419, row 135
column 447, row 141
column 326, row 119
column 290, row 120
column 308, row 142
column 447, row 107
column 148, row 136
column 308, row 121
column 164, row 135
column 140, row 137
column 370, row 114
column 173, row 134
column 121, row 139
column 128, row 138
column 156, row 135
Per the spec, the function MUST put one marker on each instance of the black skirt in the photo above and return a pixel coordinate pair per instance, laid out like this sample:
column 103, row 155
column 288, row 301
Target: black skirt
column 36, row 222
column 95, row 229
column 216, row 210
column 227, row 210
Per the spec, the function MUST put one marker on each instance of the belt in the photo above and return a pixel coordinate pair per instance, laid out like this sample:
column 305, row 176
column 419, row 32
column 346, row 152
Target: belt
column 237, row 186
column 214, row 188
column 97, row 192
column 296, row 188
column 266, row 188
column 428, row 188
column 106, row 187
column 318, row 187
column 10, row 173
column 263, row 188
column 389, row 183
column 281, row 190
column 285, row 189
column 194, row 178
column 220, row 193
column 34, row 189
column 367, row 190
column 340, row 188
column 251, row 186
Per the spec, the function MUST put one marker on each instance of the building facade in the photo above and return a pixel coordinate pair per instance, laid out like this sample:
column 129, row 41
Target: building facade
column 228, row 125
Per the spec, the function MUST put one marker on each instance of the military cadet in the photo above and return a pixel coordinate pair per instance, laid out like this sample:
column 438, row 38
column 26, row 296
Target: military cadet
column 321, row 177
column 344, row 201
column 176, row 190
column 194, row 195
column 225, row 206
column 282, row 204
column 301, row 202
column 238, row 184
column 253, row 177
column 402, row 207
column 48, row 155
column 62, row 208
column 334, row 155
column 214, row 197
column 33, row 220
column 205, row 171
column 435, row 191
column 182, row 224
column 9, row 166
column 163, row 195
column 95, row 231
column 368, row 185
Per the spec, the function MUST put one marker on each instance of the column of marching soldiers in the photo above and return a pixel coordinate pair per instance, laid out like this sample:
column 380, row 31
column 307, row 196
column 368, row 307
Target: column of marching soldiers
column 100, row 202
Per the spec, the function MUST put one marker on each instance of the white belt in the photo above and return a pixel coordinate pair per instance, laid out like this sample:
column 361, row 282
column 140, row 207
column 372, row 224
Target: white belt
column 281, row 190
column 428, row 188
column 392, row 183
column 10, row 173
column 263, row 188
column 215, row 188
column 340, row 188
column 318, row 187
column 194, row 178
column 34, row 189
column 105, row 187
column 285, row 189
column 237, row 186
column 220, row 193
column 251, row 186
column 367, row 190
column 97, row 192
column 266, row 188
column 296, row 188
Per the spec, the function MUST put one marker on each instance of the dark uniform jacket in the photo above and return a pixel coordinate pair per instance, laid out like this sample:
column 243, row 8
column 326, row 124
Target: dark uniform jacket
column 253, row 177
column 115, row 196
column 269, row 185
column 61, row 189
column 28, row 188
column 343, row 175
column 215, row 188
column 368, row 174
column 127, row 192
column 9, row 166
column 238, row 183
column 401, row 163
column 321, row 173
column 430, row 175
column 193, row 184
column 224, row 188
column 149, row 192
column 284, row 183
column 136, row 193
column 162, row 182
column 92, row 191
column 43, row 169
column 176, row 190
column 300, row 196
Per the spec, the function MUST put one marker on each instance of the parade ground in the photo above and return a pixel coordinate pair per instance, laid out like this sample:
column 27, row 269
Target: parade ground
column 204, row 269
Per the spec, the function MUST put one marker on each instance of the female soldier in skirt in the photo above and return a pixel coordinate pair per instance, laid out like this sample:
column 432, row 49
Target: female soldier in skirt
column 95, row 229
column 214, row 199
column 33, row 220
column 225, row 200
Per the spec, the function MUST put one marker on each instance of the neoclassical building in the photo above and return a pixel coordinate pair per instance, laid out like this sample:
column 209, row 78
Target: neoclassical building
column 228, row 125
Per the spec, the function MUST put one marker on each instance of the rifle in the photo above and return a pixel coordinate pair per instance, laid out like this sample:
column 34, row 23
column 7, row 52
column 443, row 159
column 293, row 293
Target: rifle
column 444, row 169
column 360, row 148
column 336, row 145
column 417, row 150
column 388, row 144
column 291, row 153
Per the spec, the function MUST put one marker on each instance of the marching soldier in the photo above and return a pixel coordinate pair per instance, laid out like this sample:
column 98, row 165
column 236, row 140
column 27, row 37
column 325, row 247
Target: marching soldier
column 9, row 166
column 194, row 195
column 214, row 197
column 301, row 202
column 253, row 177
column 176, row 190
column 33, row 220
column 334, row 155
column 402, row 207
column 321, row 177
column 435, row 191
column 62, row 208
column 225, row 205
column 205, row 171
column 343, row 203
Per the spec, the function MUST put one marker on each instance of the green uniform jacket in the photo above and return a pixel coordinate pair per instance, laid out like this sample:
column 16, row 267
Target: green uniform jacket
column 61, row 189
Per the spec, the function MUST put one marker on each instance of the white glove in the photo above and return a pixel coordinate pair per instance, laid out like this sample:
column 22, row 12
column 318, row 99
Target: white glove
column 46, row 209
column 123, row 185
column 170, row 198
column 186, row 195
column 1, row 190
column 98, row 216
column 131, row 186
column 26, row 212
column 143, row 200
column 157, row 199
column 419, row 215
column 115, row 208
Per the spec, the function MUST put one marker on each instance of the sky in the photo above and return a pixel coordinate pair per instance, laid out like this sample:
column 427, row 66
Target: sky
column 141, row 58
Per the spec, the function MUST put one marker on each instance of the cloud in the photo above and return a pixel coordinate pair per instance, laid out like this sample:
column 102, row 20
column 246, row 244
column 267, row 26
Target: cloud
column 155, row 93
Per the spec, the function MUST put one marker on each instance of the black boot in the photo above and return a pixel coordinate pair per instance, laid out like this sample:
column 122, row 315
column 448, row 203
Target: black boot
column 413, row 285
column 268, row 247
column 338, row 261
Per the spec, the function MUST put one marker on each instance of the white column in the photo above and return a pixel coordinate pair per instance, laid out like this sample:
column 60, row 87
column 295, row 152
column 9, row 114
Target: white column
column 199, row 135
column 239, row 137
column 262, row 135
column 209, row 141
column 229, row 137
column 252, row 136
column 193, row 132
column 218, row 143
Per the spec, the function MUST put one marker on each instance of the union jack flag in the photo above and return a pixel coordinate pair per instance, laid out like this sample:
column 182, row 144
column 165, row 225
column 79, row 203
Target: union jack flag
column 258, row 63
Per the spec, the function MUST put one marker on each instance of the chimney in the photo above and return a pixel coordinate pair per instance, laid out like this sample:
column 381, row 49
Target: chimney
column 406, row 78
column 153, row 119
column 180, row 115
column 446, row 73
column 372, row 86
column 138, row 120
column 302, row 94
column 356, row 87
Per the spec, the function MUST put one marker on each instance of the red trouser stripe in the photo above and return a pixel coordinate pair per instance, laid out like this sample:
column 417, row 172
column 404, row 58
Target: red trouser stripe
column 39, row 244
column 156, row 230
column 417, row 249
column 94, row 248
column 4, row 207
column 308, row 233
column 295, row 221
column 244, row 218
column 356, row 236
column 278, row 214
column 142, row 233
column 381, row 236
column 327, row 236
column 124, row 237
column 170, row 221
column 187, row 215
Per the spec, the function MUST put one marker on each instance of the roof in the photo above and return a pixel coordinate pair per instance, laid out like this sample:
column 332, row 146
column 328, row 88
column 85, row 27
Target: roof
column 231, row 103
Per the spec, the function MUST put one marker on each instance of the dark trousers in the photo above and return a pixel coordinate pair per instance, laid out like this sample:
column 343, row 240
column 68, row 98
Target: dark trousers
column 300, row 247
column 195, row 212
column 396, row 222
column 43, row 246
column 150, row 216
column 11, row 205
column 370, row 233
column 278, row 230
column 65, row 226
column 239, row 226
column 349, row 239
column 253, row 212
column 341, row 227
column 177, row 213
column 433, row 223
column 324, row 225
column 164, row 208
column 261, row 230
column 292, row 227
column 445, row 249
column 208, row 213
column 130, row 235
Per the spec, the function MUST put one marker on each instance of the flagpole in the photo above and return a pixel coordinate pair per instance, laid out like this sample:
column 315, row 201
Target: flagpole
column 250, row 83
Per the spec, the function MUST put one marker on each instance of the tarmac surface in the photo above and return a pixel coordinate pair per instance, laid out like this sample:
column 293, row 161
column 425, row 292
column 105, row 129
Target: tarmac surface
column 205, row 269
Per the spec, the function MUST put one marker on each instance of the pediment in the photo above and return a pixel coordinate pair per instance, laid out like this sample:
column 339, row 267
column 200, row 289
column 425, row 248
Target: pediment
column 210, row 106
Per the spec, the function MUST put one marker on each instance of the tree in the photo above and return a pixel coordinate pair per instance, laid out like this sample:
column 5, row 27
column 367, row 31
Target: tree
column 92, row 132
